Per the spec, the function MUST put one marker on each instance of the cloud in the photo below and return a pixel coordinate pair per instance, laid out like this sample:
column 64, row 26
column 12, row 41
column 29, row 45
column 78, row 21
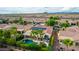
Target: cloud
column 70, row 9
column 66, row 8
column 4, row 10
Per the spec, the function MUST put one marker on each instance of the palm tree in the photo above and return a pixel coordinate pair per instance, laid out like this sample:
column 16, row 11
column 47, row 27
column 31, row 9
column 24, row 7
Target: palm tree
column 52, row 22
column 37, row 33
column 54, row 37
column 21, row 21
column 33, row 33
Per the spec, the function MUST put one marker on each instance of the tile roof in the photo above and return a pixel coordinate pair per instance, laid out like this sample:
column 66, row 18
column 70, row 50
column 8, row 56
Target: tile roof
column 72, row 32
column 3, row 26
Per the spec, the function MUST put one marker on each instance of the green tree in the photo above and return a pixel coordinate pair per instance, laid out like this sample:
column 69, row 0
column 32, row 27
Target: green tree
column 6, row 34
column 65, row 25
column 1, row 33
column 24, row 46
column 42, row 44
column 2, row 38
column 21, row 21
column 11, row 41
column 34, row 46
column 55, row 18
column 18, row 43
column 7, row 20
column 67, row 42
column 52, row 21
column 13, row 32
column 15, row 21
column 19, row 36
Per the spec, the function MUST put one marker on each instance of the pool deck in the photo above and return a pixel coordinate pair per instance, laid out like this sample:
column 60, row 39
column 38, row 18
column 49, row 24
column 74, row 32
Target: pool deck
column 41, row 41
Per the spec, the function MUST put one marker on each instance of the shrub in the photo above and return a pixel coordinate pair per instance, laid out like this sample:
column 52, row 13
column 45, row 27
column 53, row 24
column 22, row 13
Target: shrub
column 67, row 42
column 18, row 43
column 24, row 46
column 44, row 49
column 34, row 46
column 11, row 41
column 42, row 44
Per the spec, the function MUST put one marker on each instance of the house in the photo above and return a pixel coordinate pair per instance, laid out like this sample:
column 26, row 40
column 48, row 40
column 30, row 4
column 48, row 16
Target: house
column 46, row 29
column 70, row 32
column 3, row 26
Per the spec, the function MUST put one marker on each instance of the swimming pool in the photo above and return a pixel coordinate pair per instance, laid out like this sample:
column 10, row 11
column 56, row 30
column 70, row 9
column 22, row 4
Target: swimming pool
column 38, row 28
column 28, row 41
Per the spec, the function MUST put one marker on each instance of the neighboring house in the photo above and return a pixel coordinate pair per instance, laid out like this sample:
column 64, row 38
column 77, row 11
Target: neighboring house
column 70, row 32
column 73, row 22
column 3, row 26
column 19, row 27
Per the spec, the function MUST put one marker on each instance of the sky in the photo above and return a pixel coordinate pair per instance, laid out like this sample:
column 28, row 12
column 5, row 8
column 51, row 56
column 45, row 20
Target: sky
column 9, row 10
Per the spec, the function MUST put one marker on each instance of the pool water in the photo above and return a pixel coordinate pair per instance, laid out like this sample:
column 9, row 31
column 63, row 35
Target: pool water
column 37, row 28
column 28, row 41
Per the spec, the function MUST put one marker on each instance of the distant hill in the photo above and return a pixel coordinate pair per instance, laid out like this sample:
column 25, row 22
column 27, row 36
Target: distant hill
column 63, row 12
